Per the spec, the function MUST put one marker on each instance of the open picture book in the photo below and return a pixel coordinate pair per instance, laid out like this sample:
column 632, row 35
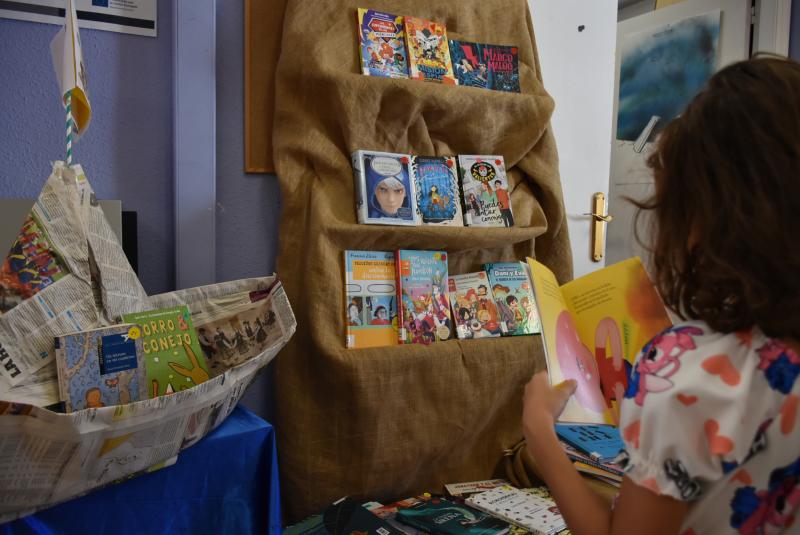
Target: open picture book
column 593, row 328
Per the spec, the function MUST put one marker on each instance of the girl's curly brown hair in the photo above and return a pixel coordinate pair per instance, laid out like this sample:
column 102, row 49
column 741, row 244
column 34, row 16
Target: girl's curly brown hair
column 726, row 205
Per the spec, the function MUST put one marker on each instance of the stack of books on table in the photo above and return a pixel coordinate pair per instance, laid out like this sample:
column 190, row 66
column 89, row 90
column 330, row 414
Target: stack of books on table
column 593, row 450
column 490, row 507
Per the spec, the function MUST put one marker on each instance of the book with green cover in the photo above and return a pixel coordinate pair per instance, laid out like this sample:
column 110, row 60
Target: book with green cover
column 174, row 360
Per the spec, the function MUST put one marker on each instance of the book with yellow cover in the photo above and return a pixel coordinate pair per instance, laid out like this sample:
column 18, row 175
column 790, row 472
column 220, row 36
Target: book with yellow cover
column 593, row 328
column 370, row 299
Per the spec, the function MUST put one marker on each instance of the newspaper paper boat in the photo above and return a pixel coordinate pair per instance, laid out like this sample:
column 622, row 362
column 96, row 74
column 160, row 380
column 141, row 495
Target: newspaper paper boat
column 46, row 457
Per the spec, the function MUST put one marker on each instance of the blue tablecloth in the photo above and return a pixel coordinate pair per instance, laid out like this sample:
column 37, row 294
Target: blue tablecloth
column 226, row 483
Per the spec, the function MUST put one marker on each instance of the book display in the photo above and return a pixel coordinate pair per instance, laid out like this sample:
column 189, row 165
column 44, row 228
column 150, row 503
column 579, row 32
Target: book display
column 101, row 367
column 474, row 315
column 371, row 300
column 428, row 51
column 383, row 45
column 438, row 190
column 485, row 189
column 386, row 194
column 487, row 66
column 513, row 293
column 377, row 393
column 424, row 307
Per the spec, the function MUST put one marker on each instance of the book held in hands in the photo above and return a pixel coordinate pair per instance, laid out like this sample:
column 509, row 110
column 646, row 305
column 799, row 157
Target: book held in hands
column 594, row 327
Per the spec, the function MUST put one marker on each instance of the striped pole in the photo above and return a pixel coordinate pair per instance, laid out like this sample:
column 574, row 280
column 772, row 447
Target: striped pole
column 69, row 128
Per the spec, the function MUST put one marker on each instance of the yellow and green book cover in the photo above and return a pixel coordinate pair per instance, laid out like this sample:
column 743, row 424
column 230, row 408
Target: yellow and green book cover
column 174, row 360
column 594, row 327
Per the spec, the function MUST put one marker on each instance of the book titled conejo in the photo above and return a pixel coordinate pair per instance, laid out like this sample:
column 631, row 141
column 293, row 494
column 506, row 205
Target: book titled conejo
column 173, row 357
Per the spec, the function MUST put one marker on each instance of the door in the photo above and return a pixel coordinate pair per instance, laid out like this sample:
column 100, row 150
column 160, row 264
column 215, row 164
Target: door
column 630, row 176
column 576, row 41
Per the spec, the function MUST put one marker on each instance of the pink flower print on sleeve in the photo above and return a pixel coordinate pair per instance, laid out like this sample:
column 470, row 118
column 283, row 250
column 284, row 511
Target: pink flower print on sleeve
column 660, row 360
column 781, row 365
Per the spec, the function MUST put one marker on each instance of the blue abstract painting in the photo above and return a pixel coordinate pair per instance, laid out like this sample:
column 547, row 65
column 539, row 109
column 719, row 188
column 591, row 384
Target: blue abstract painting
column 661, row 70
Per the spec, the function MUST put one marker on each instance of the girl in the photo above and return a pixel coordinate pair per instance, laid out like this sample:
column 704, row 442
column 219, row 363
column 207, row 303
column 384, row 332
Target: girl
column 716, row 448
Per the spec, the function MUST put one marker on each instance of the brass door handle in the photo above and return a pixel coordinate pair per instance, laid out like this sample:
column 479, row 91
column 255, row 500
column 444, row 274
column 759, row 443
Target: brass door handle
column 599, row 220
column 607, row 218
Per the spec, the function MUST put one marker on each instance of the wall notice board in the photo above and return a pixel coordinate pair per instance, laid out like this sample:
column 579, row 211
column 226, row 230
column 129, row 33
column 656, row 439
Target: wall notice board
column 263, row 25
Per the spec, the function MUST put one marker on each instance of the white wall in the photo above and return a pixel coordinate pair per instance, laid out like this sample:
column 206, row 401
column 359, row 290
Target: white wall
column 576, row 40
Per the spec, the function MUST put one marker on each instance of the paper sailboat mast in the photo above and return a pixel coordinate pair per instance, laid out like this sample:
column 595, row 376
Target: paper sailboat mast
column 71, row 74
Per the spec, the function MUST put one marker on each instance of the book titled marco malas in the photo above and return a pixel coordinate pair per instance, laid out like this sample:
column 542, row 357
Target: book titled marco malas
column 173, row 357
column 487, row 66
column 100, row 367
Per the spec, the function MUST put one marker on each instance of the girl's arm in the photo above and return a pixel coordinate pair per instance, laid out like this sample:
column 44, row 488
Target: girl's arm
column 638, row 510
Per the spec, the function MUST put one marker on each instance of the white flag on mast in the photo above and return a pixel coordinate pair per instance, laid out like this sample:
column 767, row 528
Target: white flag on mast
column 70, row 70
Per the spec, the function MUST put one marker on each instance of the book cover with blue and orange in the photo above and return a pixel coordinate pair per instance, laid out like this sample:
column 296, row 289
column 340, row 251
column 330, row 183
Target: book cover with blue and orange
column 594, row 328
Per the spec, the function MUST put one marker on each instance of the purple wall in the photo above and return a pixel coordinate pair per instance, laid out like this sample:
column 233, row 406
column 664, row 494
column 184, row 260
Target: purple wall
column 127, row 150
column 248, row 206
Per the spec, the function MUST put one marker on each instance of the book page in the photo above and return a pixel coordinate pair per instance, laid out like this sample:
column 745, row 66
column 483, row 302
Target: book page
column 617, row 311
column 567, row 356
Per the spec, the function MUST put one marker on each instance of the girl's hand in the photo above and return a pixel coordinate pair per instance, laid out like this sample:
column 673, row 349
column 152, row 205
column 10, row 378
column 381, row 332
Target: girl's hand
column 542, row 405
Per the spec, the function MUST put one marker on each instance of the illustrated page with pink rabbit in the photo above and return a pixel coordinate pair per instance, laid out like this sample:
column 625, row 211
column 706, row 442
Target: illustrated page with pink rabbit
column 594, row 328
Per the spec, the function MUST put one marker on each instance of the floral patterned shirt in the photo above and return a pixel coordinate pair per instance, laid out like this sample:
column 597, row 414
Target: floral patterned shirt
column 712, row 419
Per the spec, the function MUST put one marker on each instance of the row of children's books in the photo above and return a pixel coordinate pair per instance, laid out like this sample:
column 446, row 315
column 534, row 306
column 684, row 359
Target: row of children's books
column 410, row 47
column 593, row 327
column 404, row 189
column 157, row 352
column 151, row 354
column 408, row 297
column 491, row 507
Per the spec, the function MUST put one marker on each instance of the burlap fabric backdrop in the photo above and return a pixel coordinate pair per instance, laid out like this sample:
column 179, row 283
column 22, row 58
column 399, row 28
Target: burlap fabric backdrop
column 391, row 422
